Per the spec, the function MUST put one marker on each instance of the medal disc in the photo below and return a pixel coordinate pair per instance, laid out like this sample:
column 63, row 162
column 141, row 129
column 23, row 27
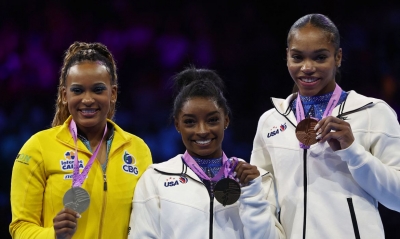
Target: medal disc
column 305, row 132
column 77, row 199
column 227, row 191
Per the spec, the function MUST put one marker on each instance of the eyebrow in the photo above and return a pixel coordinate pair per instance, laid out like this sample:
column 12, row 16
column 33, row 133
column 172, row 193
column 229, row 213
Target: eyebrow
column 317, row 51
column 209, row 114
column 95, row 84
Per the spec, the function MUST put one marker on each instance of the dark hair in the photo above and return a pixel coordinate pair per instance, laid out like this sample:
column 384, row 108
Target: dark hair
column 325, row 24
column 79, row 52
column 204, row 83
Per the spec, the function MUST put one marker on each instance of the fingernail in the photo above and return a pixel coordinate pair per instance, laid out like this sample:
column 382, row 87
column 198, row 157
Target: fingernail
column 318, row 137
column 234, row 174
column 78, row 215
column 316, row 126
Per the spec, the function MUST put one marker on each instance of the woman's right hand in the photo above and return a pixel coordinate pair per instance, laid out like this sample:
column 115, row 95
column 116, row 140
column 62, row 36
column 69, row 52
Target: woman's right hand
column 65, row 223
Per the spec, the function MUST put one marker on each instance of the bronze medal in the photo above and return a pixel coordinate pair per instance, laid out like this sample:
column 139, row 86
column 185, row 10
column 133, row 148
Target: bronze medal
column 305, row 132
column 77, row 199
column 227, row 191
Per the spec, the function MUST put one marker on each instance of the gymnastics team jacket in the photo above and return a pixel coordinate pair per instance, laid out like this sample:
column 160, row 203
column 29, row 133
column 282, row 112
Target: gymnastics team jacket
column 172, row 202
column 333, row 194
column 42, row 174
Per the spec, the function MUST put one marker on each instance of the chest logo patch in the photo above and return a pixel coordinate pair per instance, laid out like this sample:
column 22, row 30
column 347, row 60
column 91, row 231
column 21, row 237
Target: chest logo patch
column 129, row 164
column 275, row 130
column 172, row 181
column 68, row 162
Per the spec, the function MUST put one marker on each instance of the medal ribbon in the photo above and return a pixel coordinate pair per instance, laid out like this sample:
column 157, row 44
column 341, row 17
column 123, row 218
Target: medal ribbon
column 328, row 111
column 228, row 166
column 78, row 179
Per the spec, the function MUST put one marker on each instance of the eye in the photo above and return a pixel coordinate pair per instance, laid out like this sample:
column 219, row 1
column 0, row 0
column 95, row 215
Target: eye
column 297, row 57
column 321, row 57
column 76, row 90
column 188, row 122
column 99, row 89
column 213, row 120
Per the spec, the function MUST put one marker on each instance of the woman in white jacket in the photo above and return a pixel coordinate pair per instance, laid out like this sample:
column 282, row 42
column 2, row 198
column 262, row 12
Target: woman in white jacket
column 182, row 198
column 334, row 154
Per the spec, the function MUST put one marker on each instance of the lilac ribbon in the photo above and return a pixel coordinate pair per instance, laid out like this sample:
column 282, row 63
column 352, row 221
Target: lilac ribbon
column 78, row 179
column 227, row 167
column 328, row 111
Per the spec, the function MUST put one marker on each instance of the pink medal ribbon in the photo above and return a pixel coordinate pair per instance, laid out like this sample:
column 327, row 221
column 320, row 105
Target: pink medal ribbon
column 228, row 166
column 328, row 111
column 78, row 179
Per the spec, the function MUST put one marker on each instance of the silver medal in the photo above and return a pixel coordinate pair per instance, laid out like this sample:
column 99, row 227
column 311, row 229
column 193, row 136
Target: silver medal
column 77, row 199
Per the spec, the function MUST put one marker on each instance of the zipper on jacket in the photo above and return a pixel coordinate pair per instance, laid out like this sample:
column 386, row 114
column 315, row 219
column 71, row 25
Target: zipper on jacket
column 353, row 218
column 211, row 216
column 105, row 182
column 103, row 207
column 305, row 191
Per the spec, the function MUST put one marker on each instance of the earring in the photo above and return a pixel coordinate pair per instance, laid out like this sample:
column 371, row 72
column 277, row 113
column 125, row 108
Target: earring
column 226, row 127
column 178, row 131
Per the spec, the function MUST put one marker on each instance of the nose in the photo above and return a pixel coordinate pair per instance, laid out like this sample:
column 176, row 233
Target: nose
column 87, row 99
column 202, row 130
column 308, row 67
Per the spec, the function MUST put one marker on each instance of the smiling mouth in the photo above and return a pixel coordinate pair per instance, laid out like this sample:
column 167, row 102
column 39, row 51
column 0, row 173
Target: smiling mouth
column 309, row 80
column 202, row 142
column 88, row 112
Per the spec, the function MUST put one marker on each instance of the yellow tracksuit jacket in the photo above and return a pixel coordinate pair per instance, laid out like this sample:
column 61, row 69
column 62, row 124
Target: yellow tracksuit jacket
column 42, row 173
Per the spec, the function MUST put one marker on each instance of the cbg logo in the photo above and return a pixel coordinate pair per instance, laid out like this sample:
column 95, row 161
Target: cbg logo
column 129, row 164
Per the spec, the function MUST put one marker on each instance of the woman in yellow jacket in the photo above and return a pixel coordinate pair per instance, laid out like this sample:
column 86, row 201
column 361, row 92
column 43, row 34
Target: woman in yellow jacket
column 76, row 179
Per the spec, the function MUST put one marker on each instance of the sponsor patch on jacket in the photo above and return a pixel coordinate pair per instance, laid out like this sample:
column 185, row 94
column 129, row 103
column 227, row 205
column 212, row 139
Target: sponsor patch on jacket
column 129, row 164
column 68, row 162
column 172, row 181
column 23, row 158
column 275, row 130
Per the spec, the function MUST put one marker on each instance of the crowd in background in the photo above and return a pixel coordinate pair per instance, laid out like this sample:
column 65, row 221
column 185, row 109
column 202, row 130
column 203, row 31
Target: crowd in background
column 245, row 43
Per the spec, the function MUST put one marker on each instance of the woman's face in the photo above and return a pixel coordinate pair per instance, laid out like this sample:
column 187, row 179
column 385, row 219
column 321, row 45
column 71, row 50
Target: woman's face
column 312, row 62
column 88, row 93
column 201, row 123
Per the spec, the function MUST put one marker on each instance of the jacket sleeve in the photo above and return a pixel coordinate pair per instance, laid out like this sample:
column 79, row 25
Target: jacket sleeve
column 260, row 155
column 28, row 182
column 145, row 216
column 258, row 210
column 377, row 168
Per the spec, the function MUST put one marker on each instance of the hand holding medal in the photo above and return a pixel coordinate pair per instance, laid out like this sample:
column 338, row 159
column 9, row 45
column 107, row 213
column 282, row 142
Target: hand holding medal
column 335, row 131
column 306, row 127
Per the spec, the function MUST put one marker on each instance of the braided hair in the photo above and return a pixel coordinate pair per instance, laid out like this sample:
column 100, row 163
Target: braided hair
column 79, row 52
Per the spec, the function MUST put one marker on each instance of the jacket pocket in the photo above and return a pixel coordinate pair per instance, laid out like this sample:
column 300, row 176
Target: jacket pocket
column 353, row 218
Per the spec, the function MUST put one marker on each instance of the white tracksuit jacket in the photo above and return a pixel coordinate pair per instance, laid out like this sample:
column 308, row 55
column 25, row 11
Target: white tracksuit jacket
column 325, row 194
column 172, row 202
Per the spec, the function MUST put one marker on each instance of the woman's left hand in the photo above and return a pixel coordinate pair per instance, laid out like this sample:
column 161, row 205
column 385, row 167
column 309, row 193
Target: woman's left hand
column 246, row 172
column 335, row 131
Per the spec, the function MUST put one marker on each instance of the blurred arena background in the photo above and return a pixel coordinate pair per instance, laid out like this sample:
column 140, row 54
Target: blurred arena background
column 244, row 42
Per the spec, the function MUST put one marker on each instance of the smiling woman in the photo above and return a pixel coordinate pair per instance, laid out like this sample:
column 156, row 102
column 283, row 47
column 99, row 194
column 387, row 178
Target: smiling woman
column 75, row 177
column 338, row 156
column 219, row 197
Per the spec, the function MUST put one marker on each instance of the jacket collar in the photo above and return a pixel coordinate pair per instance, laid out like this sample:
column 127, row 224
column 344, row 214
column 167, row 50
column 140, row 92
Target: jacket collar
column 64, row 136
column 175, row 166
column 353, row 102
